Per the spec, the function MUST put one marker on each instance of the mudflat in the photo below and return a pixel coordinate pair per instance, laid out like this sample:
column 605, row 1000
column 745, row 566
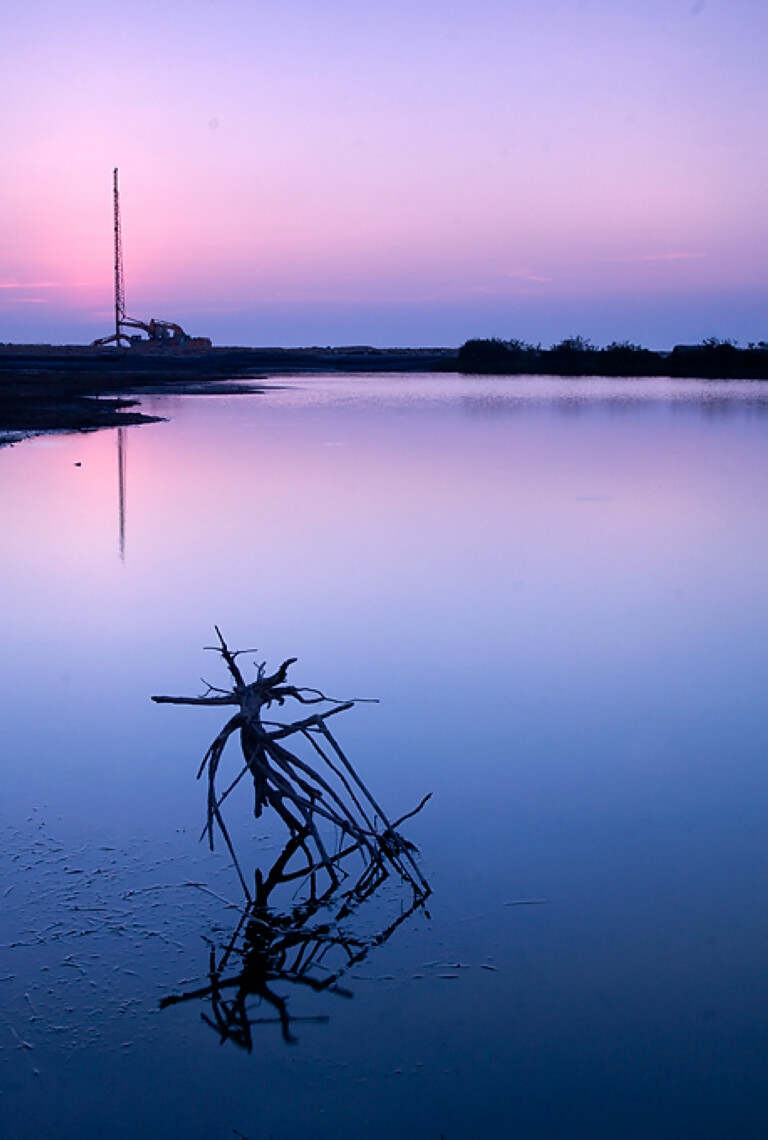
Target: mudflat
column 82, row 388
column 39, row 400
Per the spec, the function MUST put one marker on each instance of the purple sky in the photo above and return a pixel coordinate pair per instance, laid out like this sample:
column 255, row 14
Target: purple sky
column 388, row 173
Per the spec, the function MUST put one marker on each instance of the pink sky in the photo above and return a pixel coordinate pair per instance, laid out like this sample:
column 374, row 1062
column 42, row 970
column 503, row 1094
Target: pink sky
column 388, row 173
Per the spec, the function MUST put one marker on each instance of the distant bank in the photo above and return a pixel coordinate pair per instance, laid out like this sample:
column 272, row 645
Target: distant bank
column 575, row 356
column 144, row 358
column 79, row 388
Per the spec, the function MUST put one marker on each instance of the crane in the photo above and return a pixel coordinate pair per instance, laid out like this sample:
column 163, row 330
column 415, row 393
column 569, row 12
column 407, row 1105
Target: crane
column 159, row 333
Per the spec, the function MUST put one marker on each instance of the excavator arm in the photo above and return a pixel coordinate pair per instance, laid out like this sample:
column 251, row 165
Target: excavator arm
column 158, row 332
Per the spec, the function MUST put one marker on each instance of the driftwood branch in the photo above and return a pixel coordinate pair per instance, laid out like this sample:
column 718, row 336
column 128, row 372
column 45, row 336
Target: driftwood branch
column 307, row 800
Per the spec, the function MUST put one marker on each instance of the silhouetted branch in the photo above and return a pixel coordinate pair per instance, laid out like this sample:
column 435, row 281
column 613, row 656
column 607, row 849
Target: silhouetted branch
column 302, row 797
column 229, row 700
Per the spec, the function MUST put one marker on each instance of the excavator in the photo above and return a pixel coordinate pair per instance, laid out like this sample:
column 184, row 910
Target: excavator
column 160, row 334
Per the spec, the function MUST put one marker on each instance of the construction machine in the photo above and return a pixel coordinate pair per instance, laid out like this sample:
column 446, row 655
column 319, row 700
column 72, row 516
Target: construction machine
column 159, row 334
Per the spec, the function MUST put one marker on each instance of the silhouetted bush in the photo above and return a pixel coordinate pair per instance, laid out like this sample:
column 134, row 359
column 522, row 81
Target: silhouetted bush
column 621, row 358
column 496, row 355
column 713, row 358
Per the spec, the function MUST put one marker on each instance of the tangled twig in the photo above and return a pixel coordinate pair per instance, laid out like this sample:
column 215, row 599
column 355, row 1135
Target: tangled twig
column 308, row 799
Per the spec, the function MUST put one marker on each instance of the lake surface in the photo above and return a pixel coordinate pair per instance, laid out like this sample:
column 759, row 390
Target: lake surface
column 558, row 589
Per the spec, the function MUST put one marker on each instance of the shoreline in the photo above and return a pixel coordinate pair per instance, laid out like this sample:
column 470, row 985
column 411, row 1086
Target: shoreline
column 74, row 388
column 226, row 361
column 78, row 388
column 34, row 403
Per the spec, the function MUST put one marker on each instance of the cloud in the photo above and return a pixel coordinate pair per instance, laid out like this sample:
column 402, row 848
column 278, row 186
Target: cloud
column 523, row 276
column 40, row 285
column 10, row 301
column 674, row 256
column 667, row 255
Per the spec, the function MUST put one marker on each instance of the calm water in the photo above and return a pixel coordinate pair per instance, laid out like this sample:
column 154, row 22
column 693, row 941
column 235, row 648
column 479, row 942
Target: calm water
column 559, row 591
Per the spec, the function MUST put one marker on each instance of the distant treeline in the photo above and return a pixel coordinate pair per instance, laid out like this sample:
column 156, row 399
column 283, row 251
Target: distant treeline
column 575, row 356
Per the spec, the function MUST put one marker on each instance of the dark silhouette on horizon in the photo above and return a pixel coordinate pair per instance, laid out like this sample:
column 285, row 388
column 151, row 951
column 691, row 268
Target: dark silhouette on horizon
column 576, row 356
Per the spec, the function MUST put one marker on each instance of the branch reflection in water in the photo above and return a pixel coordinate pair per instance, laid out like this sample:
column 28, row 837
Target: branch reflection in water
column 334, row 824
column 311, row 945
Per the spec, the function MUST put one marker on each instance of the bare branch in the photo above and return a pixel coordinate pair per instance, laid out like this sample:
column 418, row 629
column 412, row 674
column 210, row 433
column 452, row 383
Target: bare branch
column 303, row 797
column 230, row 660
column 411, row 814
column 316, row 720
column 228, row 700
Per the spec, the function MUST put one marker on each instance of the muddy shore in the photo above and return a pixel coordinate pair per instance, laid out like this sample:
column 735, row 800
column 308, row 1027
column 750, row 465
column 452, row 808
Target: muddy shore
column 44, row 401
column 76, row 388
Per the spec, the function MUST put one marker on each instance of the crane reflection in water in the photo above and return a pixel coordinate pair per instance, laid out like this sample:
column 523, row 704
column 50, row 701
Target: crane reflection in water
column 121, row 489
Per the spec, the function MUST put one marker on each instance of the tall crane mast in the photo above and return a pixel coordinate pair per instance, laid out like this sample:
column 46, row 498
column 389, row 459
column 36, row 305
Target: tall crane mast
column 162, row 334
column 119, row 281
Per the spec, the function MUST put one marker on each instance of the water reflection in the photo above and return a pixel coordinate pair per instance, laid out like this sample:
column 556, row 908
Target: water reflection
column 714, row 400
column 122, row 478
column 310, row 945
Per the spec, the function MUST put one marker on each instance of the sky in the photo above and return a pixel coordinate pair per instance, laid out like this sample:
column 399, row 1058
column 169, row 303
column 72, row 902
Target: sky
column 304, row 172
